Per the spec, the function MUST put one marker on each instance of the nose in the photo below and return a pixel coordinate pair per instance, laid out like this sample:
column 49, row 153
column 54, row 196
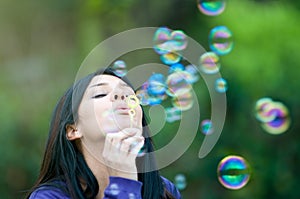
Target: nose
column 119, row 96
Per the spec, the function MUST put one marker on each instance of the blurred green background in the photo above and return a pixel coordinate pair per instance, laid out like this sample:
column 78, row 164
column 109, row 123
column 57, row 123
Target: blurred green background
column 43, row 43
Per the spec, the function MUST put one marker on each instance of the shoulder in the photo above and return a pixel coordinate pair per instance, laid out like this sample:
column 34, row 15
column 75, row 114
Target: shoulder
column 47, row 192
column 171, row 188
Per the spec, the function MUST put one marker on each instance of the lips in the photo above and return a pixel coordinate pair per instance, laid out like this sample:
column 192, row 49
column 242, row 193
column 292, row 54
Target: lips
column 122, row 110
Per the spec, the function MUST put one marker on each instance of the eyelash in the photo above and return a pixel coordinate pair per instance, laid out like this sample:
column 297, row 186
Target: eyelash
column 99, row 96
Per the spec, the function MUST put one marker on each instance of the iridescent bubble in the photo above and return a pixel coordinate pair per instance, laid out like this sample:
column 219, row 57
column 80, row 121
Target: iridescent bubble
column 177, row 83
column 194, row 74
column 165, row 40
column 131, row 196
column 209, row 63
column 281, row 122
column 142, row 151
column 211, row 7
column 179, row 40
column 221, row 85
column 157, row 84
column 119, row 68
column 161, row 38
column 114, row 189
column 263, row 110
column 206, row 127
column 176, row 67
column 184, row 101
column 220, row 40
column 233, row 172
column 142, row 94
column 172, row 114
column 180, row 181
column 170, row 58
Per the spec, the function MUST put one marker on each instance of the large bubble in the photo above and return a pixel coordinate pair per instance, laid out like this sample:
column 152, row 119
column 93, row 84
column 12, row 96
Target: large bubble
column 211, row 7
column 220, row 40
column 233, row 172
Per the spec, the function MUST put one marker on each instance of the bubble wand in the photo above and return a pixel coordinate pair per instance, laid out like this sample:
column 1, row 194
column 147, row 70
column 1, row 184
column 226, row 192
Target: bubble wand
column 132, row 102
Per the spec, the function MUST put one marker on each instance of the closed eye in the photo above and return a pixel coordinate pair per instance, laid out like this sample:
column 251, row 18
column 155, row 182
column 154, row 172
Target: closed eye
column 99, row 96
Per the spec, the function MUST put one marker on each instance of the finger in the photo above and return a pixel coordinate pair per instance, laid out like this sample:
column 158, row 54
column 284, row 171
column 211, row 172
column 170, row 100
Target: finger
column 131, row 143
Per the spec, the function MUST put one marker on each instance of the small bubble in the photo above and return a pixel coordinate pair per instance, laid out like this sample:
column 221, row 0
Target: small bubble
column 194, row 74
column 221, row 85
column 206, row 127
column 114, row 189
column 172, row 114
column 209, row 63
column 233, row 172
column 220, row 40
column 180, row 181
column 170, row 58
column 211, row 7
column 119, row 68
column 274, row 116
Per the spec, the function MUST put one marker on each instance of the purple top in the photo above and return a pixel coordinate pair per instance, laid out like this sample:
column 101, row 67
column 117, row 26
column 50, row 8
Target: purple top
column 118, row 188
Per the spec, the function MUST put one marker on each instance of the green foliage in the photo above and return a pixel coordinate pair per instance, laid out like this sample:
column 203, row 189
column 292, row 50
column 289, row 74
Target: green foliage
column 44, row 43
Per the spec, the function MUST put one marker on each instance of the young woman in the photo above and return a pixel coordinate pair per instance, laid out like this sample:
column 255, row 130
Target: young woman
column 94, row 140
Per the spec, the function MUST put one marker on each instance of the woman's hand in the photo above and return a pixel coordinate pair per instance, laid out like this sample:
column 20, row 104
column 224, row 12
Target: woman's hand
column 120, row 151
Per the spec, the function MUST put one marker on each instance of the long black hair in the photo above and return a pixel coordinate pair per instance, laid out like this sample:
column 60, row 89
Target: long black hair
column 62, row 158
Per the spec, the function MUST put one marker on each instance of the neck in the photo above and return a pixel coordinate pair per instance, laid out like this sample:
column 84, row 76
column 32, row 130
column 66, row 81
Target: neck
column 99, row 170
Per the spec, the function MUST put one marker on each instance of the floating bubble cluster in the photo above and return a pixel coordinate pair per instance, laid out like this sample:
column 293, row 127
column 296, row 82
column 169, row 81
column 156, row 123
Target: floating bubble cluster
column 211, row 7
column 274, row 116
column 180, row 181
column 233, row 172
column 119, row 68
column 220, row 40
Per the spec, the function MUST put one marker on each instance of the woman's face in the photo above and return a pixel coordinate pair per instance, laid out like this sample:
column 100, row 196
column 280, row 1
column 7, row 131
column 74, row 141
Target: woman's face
column 104, row 108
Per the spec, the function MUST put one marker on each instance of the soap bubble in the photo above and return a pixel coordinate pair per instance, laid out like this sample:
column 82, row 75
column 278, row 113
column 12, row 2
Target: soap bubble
column 211, row 7
column 170, row 58
column 263, row 110
column 183, row 101
column 194, row 74
column 274, row 116
column 233, row 172
column 119, row 68
column 172, row 114
column 209, row 63
column 221, row 85
column 157, row 84
column 281, row 122
column 206, row 127
column 220, row 40
column 177, row 83
column 176, row 67
column 180, row 181
column 165, row 40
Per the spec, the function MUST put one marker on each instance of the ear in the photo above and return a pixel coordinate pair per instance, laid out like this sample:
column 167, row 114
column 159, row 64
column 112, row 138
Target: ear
column 72, row 132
